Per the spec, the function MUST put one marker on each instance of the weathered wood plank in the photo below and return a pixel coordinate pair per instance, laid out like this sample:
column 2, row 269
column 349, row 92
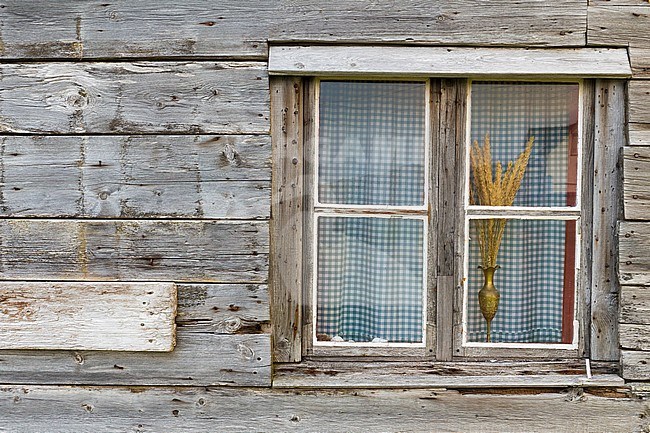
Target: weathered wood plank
column 139, row 98
column 128, row 250
column 200, row 359
column 635, row 337
column 240, row 29
column 88, row 316
column 286, row 225
column 635, row 305
column 635, row 365
column 136, row 176
column 639, row 134
column 223, row 308
column 611, row 25
column 609, row 138
column 618, row 2
column 634, row 253
column 639, row 101
column 88, row 409
column 636, row 187
column 448, row 61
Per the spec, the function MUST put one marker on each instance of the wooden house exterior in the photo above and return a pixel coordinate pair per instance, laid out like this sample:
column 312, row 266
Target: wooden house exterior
column 155, row 160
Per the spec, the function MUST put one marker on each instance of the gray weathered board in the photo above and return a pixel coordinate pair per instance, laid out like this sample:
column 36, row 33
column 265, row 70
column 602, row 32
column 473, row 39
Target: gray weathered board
column 636, row 188
column 88, row 316
column 98, row 410
column 635, row 364
column 134, row 250
column 137, row 176
column 241, row 28
column 634, row 253
column 326, row 60
column 134, row 97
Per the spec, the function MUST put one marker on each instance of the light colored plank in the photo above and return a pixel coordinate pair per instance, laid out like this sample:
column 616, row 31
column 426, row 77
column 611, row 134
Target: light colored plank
column 286, row 225
column 181, row 251
column 635, row 365
column 613, row 25
column 448, row 61
column 136, row 176
column 635, row 305
column 639, row 134
column 634, row 253
column 144, row 97
column 636, row 187
column 223, row 308
column 88, row 316
column 635, row 337
column 88, row 409
column 200, row 359
column 240, row 28
column 639, row 101
column 609, row 138
column 618, row 2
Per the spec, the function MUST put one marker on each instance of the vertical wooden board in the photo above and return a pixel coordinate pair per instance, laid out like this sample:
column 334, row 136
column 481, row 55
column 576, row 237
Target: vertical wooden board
column 636, row 186
column 199, row 359
column 634, row 253
column 609, row 138
column 139, row 98
column 183, row 251
column 286, row 222
column 88, row 316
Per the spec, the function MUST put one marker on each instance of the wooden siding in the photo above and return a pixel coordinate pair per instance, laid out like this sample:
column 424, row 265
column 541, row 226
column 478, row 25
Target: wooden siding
column 98, row 316
column 91, row 409
column 240, row 29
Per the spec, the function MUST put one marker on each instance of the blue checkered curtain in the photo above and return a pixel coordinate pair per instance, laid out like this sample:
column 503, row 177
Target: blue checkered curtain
column 370, row 279
column 371, row 143
column 532, row 254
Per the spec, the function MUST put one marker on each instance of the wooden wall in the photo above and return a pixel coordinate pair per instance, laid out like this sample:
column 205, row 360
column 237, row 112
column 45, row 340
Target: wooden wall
column 135, row 146
column 626, row 23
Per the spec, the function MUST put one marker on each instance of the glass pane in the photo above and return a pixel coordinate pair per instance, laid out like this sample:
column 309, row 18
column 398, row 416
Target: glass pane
column 513, row 112
column 371, row 143
column 370, row 279
column 536, row 282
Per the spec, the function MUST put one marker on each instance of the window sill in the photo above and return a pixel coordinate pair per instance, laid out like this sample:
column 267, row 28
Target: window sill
column 475, row 374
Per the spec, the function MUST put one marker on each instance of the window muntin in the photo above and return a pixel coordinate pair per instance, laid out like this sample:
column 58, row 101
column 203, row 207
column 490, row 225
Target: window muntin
column 370, row 213
column 539, row 252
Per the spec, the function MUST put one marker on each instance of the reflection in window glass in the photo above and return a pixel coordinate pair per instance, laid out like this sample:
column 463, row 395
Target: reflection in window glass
column 371, row 143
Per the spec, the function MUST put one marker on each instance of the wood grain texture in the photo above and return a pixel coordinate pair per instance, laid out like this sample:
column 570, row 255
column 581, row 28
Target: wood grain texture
column 448, row 61
column 635, row 365
column 639, row 134
column 609, row 138
column 634, row 253
column 635, row 337
column 611, row 24
column 98, row 410
column 88, row 316
column 635, row 305
column 136, row 176
column 139, row 98
column 636, row 187
column 240, row 29
column 130, row 250
column 639, row 102
column 201, row 359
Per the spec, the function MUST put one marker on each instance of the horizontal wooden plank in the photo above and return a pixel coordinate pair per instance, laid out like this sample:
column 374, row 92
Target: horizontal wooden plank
column 634, row 253
column 636, row 186
column 635, row 305
column 618, row 2
column 635, row 365
column 240, row 28
column 128, row 250
column 223, row 308
column 89, row 409
column 139, row 98
column 503, row 374
column 639, row 134
column 635, row 337
column 639, row 101
column 200, row 359
column 611, row 25
column 136, row 176
column 447, row 61
column 88, row 316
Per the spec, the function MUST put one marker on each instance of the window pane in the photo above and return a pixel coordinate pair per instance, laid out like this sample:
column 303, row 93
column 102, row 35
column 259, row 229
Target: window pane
column 513, row 112
column 370, row 279
column 371, row 143
column 536, row 281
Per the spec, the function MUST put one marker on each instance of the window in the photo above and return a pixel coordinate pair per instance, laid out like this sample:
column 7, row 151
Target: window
column 380, row 217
